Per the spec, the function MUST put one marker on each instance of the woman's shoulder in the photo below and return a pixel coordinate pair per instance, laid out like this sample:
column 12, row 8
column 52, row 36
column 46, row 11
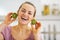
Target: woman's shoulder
column 7, row 29
column 7, row 33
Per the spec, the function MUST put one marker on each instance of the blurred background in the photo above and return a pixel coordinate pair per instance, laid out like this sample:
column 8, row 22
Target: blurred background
column 48, row 14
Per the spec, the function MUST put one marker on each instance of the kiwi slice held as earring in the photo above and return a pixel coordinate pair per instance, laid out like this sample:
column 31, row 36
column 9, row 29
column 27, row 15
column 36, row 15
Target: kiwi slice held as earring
column 14, row 15
column 33, row 22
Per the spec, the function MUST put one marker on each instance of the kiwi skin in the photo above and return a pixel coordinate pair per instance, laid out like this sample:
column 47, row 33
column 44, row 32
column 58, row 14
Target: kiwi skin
column 33, row 22
column 14, row 15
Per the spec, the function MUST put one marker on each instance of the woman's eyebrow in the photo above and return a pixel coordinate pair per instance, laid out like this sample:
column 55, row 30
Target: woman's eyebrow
column 30, row 11
column 23, row 8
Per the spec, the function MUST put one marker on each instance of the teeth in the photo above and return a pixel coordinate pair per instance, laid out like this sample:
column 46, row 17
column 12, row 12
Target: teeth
column 24, row 19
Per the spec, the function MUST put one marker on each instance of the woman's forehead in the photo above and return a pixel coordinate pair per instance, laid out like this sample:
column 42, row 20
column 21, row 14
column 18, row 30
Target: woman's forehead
column 28, row 6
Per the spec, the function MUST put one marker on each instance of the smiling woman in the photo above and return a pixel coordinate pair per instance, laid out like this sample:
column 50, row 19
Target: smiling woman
column 21, row 31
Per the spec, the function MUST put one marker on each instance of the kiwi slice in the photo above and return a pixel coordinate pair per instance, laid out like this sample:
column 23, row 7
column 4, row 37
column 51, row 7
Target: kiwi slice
column 14, row 15
column 33, row 22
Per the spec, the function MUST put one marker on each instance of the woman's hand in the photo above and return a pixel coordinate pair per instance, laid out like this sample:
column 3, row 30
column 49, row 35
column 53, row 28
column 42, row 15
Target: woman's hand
column 8, row 19
column 36, row 27
column 36, row 30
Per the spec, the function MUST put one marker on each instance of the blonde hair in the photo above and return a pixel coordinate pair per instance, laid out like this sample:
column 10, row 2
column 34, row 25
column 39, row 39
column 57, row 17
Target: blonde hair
column 30, row 4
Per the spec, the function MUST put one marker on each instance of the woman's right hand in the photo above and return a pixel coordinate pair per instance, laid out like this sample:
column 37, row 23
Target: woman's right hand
column 8, row 19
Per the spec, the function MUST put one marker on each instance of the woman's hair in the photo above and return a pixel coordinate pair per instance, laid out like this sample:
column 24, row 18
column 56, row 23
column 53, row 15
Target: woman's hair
column 30, row 4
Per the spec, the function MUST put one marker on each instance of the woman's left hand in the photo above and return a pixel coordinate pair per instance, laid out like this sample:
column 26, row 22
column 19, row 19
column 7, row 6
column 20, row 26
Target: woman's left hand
column 36, row 27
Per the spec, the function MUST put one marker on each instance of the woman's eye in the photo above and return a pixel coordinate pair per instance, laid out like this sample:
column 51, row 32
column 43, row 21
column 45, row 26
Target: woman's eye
column 23, row 11
column 30, row 13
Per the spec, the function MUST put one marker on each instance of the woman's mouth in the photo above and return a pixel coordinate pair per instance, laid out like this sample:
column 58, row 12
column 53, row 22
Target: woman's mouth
column 24, row 18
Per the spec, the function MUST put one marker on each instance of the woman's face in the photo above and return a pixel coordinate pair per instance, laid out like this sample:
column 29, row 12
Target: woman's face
column 25, row 14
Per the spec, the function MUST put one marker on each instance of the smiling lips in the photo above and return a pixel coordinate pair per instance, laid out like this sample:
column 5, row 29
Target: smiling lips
column 24, row 18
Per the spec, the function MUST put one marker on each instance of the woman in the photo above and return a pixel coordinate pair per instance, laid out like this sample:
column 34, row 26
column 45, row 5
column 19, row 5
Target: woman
column 26, row 13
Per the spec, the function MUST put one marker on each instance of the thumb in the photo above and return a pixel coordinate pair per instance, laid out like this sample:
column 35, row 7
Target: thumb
column 33, row 29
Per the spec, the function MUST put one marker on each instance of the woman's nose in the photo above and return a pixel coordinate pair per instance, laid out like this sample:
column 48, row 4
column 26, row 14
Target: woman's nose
column 26, row 13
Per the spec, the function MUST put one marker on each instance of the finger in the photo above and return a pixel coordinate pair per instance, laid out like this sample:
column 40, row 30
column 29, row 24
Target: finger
column 38, row 25
column 33, row 28
column 13, row 19
column 9, row 14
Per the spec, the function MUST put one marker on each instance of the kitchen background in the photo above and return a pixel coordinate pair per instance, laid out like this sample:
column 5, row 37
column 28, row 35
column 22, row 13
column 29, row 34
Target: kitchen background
column 48, row 14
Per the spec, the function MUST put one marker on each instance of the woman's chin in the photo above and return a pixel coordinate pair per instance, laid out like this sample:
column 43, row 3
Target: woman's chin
column 24, row 23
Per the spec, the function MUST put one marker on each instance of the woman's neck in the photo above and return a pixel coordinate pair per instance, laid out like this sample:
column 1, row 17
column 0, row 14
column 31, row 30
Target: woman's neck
column 20, row 26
